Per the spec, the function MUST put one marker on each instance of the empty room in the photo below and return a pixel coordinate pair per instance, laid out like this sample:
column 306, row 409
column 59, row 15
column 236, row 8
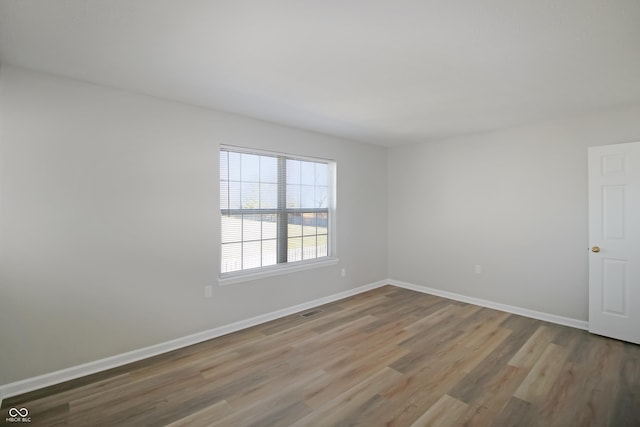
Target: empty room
column 320, row 213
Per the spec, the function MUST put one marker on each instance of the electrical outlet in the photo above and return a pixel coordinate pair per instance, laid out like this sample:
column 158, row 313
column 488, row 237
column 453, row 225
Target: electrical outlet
column 343, row 272
column 208, row 291
column 478, row 269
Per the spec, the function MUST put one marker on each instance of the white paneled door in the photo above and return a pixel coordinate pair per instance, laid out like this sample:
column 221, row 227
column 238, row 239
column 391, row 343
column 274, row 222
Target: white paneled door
column 614, row 238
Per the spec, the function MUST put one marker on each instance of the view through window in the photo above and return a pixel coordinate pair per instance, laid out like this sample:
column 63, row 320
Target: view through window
column 275, row 209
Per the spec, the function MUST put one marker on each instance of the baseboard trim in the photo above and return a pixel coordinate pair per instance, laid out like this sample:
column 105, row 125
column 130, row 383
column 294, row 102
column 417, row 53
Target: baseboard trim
column 552, row 318
column 60, row 376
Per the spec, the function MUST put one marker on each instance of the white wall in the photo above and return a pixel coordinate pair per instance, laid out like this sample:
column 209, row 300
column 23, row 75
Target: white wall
column 514, row 201
column 109, row 218
column 109, row 221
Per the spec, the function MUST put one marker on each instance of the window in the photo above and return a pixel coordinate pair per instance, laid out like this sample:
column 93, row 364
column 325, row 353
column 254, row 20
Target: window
column 276, row 211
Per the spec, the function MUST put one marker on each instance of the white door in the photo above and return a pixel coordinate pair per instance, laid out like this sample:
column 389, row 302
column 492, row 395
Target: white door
column 614, row 239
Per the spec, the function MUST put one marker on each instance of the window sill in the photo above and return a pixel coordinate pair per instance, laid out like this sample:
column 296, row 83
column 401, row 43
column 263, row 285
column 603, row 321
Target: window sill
column 275, row 270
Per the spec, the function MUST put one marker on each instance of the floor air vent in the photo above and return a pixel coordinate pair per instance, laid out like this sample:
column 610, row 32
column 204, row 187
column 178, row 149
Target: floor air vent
column 311, row 313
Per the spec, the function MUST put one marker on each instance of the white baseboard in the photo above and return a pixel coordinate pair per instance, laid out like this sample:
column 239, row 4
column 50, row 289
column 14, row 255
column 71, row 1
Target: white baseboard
column 552, row 318
column 57, row 377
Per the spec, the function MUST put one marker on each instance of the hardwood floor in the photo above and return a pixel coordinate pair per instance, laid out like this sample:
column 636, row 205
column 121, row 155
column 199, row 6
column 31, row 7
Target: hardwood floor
column 388, row 357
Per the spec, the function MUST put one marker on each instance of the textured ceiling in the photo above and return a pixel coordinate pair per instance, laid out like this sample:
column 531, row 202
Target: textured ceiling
column 383, row 72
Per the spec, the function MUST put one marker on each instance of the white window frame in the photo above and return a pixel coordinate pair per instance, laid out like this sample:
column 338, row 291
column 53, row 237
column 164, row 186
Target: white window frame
column 291, row 266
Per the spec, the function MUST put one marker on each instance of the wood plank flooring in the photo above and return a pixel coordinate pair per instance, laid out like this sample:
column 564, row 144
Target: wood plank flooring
column 388, row 357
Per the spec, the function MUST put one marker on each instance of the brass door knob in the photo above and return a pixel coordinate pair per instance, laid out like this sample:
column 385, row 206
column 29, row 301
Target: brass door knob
column 595, row 249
